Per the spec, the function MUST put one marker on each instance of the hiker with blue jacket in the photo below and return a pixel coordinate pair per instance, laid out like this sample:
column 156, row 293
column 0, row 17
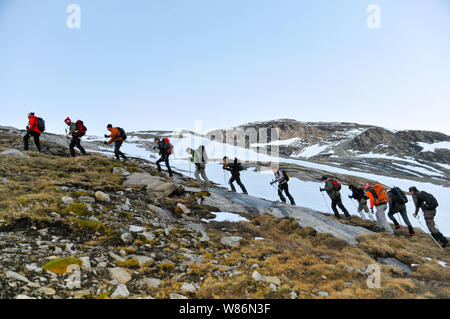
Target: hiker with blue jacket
column 282, row 178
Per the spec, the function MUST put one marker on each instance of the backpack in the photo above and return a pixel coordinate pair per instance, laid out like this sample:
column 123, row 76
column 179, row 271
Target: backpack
column 40, row 124
column 169, row 147
column 429, row 200
column 379, row 194
column 286, row 176
column 336, row 185
column 81, row 128
column 123, row 135
column 399, row 196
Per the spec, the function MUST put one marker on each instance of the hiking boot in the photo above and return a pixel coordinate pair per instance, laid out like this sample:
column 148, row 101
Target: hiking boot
column 245, row 193
column 411, row 234
column 397, row 226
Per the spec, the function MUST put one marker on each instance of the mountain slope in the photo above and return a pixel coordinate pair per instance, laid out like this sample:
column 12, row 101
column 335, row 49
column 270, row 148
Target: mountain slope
column 143, row 237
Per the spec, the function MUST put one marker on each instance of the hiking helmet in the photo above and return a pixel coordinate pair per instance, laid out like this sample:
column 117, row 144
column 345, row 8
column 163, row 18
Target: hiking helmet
column 67, row 121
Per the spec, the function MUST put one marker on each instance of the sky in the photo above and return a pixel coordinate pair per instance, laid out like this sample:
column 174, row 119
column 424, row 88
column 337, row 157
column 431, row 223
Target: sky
column 162, row 64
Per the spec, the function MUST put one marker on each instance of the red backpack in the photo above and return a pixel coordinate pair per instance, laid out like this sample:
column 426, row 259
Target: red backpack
column 169, row 147
column 337, row 186
column 81, row 128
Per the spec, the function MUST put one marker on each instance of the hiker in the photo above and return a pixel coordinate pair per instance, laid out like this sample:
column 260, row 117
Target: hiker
column 77, row 130
column 397, row 201
column 428, row 203
column 333, row 187
column 117, row 136
column 235, row 168
column 165, row 149
column 282, row 178
column 379, row 198
column 32, row 130
column 359, row 195
column 199, row 158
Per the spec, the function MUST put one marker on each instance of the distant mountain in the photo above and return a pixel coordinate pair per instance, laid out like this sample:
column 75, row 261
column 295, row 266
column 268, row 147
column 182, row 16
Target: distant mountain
column 405, row 154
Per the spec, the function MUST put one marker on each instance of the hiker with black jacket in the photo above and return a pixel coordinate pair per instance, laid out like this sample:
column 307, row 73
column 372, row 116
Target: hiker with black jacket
column 32, row 130
column 235, row 168
column 77, row 131
column 332, row 188
column 282, row 178
column 428, row 203
column 359, row 195
column 397, row 205
column 199, row 158
column 117, row 138
column 164, row 152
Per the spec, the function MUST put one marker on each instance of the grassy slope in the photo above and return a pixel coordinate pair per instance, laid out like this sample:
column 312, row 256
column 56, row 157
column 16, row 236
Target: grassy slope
column 304, row 260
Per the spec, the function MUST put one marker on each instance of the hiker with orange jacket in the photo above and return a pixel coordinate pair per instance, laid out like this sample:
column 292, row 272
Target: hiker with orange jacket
column 117, row 136
column 332, row 188
column 165, row 149
column 32, row 130
column 379, row 198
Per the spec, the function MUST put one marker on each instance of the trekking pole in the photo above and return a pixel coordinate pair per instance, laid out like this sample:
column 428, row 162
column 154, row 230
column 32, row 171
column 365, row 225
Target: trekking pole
column 326, row 204
column 68, row 144
column 423, row 228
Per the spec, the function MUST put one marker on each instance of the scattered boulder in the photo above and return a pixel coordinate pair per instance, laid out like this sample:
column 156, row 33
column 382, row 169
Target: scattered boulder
column 102, row 197
column 13, row 275
column 256, row 276
column 120, row 274
column 121, row 170
column 177, row 296
column 14, row 153
column 67, row 200
column 152, row 282
column 188, row 287
column 120, row 292
column 126, row 238
column 231, row 241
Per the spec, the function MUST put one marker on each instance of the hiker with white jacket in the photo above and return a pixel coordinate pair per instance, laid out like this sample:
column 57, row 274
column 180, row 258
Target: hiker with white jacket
column 199, row 158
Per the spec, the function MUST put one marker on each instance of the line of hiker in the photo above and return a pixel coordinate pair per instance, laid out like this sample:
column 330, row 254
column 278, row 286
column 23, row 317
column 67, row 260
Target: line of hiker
column 376, row 195
column 394, row 199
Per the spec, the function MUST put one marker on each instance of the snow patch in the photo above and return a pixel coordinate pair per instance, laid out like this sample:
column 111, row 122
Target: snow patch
column 432, row 147
column 226, row 217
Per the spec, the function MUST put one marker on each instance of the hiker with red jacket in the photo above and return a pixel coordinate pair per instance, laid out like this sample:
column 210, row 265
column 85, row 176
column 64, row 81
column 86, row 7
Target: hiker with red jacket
column 379, row 198
column 428, row 203
column 77, row 130
column 32, row 130
column 117, row 137
column 332, row 187
column 165, row 149
column 282, row 178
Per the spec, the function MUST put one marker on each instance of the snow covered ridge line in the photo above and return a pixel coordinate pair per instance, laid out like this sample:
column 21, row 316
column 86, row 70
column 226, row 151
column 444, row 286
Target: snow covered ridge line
column 432, row 147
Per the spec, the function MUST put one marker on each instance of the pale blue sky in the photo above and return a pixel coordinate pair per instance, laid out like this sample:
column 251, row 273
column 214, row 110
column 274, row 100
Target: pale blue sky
column 159, row 64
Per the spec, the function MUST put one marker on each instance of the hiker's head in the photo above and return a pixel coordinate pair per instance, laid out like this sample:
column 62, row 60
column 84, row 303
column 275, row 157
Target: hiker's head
column 189, row 150
column 109, row 127
column 274, row 169
column 350, row 186
column 67, row 121
column 31, row 114
column 156, row 140
column 413, row 190
column 225, row 159
column 324, row 178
